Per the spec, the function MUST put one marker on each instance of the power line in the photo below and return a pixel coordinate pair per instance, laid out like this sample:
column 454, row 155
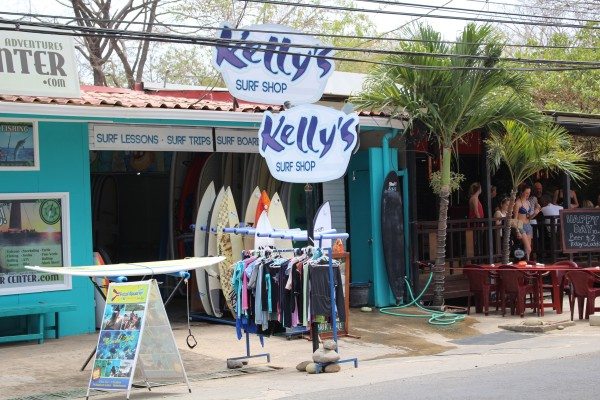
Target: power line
column 526, row 6
column 314, row 34
column 468, row 10
column 408, row 14
column 227, row 42
column 216, row 42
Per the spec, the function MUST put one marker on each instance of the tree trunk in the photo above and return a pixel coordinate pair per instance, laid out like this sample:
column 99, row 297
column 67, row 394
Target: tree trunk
column 506, row 228
column 440, row 261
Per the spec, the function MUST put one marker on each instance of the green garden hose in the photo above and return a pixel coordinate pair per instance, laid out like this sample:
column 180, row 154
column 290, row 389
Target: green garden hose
column 435, row 317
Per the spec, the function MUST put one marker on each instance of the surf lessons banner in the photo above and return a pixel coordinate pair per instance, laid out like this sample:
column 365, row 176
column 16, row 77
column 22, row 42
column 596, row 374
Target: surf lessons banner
column 260, row 63
column 150, row 138
column 36, row 64
column 34, row 230
column 308, row 143
column 19, row 150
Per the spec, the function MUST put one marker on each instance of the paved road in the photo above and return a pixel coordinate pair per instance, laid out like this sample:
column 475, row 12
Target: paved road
column 566, row 378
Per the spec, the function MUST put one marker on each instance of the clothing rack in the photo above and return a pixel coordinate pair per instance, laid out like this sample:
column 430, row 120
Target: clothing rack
column 298, row 235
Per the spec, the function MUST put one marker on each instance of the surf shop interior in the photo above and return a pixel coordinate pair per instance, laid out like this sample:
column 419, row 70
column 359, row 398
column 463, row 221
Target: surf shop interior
column 132, row 165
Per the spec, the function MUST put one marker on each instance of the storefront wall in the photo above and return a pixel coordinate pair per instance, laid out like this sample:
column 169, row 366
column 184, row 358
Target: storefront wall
column 64, row 167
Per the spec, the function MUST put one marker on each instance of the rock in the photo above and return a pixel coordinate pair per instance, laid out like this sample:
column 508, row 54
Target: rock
column 302, row 366
column 330, row 356
column 318, row 356
column 333, row 368
column 533, row 322
column 560, row 327
column 366, row 309
column 233, row 364
column 330, row 345
column 311, row 368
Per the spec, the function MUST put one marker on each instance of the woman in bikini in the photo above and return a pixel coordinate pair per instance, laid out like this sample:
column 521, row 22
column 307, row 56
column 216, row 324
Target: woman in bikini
column 524, row 212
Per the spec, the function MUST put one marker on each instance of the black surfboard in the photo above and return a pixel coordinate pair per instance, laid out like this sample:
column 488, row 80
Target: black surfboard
column 392, row 234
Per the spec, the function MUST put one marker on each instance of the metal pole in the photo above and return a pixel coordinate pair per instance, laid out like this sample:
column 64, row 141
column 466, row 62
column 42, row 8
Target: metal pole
column 310, row 226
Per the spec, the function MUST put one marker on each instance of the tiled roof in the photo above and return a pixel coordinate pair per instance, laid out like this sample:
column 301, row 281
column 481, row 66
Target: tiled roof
column 118, row 97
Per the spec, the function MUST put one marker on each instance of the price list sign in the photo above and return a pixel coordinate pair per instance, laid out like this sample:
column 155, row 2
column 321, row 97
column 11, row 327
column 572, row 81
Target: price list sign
column 33, row 231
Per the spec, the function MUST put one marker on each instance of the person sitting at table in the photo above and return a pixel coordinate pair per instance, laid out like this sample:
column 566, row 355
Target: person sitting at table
column 524, row 212
column 549, row 209
column 558, row 198
column 587, row 204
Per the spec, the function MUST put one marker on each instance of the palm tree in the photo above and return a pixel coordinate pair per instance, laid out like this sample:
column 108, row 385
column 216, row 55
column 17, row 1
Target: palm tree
column 451, row 90
column 525, row 152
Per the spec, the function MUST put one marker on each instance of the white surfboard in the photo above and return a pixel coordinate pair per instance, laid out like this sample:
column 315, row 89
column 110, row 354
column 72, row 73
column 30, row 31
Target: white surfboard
column 278, row 220
column 214, row 282
column 249, row 216
column 211, row 172
column 263, row 226
column 322, row 222
column 132, row 269
column 206, row 203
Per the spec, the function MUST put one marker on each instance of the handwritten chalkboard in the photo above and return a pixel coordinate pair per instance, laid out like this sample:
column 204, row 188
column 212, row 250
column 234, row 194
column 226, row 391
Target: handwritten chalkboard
column 580, row 230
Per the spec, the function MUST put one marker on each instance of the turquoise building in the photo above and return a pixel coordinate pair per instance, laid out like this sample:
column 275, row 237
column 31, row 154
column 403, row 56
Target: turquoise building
column 70, row 142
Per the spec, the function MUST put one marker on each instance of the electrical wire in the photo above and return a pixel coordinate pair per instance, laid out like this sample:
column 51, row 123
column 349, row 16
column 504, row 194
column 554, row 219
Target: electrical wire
column 470, row 11
column 243, row 44
column 436, row 16
column 313, row 34
column 526, row 6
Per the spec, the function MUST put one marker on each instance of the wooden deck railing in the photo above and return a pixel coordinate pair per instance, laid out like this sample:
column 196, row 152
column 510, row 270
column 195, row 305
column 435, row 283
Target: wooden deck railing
column 467, row 242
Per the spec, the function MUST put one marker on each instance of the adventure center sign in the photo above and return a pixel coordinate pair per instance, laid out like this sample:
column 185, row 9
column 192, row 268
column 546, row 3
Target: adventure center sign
column 36, row 64
column 260, row 63
column 308, row 143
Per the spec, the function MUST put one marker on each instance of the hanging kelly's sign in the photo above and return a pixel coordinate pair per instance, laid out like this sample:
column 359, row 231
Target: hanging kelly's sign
column 262, row 65
column 308, row 143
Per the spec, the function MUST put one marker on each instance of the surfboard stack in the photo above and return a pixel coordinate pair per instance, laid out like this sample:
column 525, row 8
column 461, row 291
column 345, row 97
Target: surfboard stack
column 212, row 190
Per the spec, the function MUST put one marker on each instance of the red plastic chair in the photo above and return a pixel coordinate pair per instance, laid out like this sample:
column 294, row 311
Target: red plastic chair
column 515, row 285
column 568, row 264
column 582, row 289
column 480, row 288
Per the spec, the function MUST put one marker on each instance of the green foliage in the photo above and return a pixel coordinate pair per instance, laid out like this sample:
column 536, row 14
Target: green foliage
column 451, row 96
column 570, row 91
column 183, row 66
column 436, row 181
column 526, row 151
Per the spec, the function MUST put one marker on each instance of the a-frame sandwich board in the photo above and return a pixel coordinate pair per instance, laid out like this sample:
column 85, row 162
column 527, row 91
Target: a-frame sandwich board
column 135, row 340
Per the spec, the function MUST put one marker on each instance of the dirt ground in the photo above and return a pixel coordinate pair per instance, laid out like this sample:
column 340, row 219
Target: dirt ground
column 30, row 370
column 415, row 336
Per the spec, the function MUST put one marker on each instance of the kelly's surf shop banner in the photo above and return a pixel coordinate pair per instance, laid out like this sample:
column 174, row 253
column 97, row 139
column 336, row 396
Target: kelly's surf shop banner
column 308, row 143
column 33, row 231
column 135, row 327
column 272, row 64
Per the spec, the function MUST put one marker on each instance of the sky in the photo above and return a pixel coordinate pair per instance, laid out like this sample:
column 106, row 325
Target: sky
column 384, row 22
